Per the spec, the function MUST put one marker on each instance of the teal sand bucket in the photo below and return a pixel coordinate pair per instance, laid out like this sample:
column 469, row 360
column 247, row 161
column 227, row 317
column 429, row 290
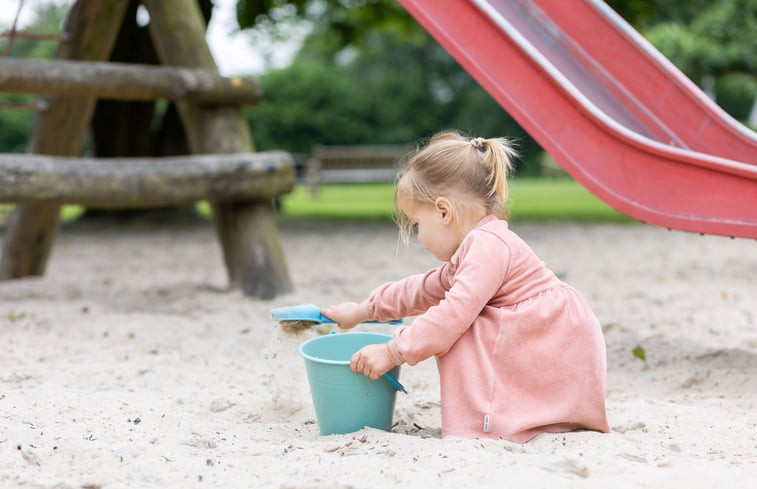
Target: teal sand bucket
column 345, row 401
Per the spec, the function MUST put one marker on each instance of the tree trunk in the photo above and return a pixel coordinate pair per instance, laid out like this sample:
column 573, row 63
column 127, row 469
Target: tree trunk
column 59, row 129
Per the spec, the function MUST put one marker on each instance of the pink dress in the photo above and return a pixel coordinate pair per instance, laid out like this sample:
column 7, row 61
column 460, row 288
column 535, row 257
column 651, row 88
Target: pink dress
column 519, row 352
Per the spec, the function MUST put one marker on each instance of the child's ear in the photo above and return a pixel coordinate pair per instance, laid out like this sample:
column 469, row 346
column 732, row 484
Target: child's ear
column 444, row 207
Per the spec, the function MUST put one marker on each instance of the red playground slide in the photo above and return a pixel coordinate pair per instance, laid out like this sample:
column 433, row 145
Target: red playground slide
column 614, row 112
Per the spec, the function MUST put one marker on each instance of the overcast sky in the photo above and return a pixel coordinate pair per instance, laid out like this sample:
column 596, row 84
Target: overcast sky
column 232, row 49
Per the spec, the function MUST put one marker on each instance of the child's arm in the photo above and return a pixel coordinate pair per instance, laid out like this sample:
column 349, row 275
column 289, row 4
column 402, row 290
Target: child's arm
column 407, row 297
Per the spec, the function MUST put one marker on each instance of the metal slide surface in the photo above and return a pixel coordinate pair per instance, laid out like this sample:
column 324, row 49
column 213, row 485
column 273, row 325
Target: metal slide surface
column 614, row 112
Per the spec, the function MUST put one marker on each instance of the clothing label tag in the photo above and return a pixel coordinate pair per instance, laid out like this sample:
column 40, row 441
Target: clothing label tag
column 486, row 423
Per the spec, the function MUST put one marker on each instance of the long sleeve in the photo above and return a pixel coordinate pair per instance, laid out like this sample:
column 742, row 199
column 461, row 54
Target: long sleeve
column 410, row 296
column 480, row 267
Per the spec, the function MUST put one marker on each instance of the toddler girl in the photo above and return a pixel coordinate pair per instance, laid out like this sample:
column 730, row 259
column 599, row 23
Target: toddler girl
column 519, row 352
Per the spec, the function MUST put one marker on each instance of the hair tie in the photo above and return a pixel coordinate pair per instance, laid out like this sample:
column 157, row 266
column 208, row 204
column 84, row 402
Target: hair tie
column 477, row 143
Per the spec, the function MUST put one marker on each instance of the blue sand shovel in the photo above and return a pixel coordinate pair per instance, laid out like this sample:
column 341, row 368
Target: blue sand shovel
column 304, row 316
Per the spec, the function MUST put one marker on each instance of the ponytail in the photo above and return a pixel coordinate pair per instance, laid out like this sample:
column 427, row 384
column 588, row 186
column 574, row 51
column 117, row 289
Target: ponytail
column 498, row 155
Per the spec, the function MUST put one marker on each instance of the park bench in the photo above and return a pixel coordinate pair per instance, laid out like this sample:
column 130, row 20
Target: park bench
column 354, row 164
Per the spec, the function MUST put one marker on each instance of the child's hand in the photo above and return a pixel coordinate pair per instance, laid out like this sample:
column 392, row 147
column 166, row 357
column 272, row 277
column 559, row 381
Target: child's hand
column 347, row 314
column 372, row 361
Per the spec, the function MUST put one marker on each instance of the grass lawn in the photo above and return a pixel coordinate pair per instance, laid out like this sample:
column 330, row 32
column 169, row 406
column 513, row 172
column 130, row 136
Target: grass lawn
column 530, row 199
column 358, row 201
column 563, row 198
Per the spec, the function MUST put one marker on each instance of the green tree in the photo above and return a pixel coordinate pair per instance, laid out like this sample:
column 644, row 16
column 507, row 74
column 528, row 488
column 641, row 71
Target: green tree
column 307, row 104
column 714, row 42
column 348, row 20
column 643, row 14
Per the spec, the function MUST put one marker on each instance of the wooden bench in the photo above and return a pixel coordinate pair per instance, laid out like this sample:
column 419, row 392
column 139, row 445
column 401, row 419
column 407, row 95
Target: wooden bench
column 354, row 164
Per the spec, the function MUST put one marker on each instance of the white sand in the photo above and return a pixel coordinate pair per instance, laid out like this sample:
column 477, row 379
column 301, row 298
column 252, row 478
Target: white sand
column 129, row 365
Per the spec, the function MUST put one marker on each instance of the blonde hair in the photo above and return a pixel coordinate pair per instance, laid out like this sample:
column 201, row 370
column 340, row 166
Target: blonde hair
column 467, row 171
